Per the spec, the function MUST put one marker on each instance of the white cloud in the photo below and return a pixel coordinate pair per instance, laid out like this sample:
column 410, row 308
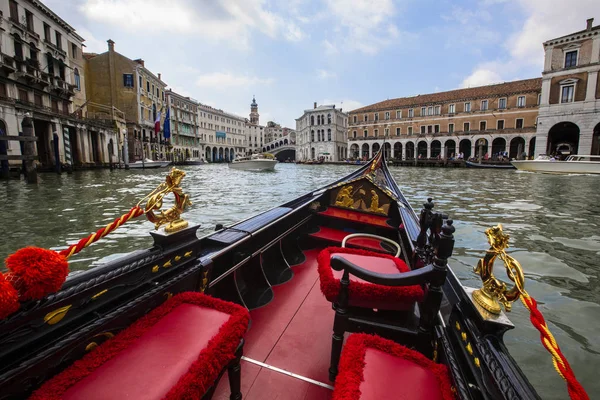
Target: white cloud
column 330, row 48
column 92, row 45
column 364, row 25
column 228, row 20
column 324, row 74
column 347, row 105
column 221, row 80
column 546, row 19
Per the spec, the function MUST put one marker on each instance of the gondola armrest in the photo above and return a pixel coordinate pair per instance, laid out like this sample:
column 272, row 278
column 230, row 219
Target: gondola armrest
column 417, row 277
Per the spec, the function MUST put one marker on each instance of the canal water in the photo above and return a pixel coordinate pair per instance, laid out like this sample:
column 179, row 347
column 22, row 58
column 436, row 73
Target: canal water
column 554, row 223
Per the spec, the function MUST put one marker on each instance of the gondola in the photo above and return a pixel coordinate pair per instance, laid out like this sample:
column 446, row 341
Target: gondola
column 471, row 164
column 290, row 284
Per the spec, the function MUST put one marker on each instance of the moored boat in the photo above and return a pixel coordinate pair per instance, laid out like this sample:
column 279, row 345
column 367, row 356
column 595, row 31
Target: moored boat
column 472, row 164
column 356, row 244
column 148, row 163
column 256, row 162
column 574, row 164
column 193, row 161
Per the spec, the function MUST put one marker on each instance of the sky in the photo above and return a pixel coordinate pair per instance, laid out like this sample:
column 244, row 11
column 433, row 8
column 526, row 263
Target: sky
column 291, row 53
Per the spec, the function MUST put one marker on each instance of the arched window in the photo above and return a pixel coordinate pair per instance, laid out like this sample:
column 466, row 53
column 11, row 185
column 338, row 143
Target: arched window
column 153, row 112
column 18, row 48
column 312, row 120
column 329, row 118
column 312, row 136
column 77, row 79
column 329, row 135
column 33, row 52
column 322, row 119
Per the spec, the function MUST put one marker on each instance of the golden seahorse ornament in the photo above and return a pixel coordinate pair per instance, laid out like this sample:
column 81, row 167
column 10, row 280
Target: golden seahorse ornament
column 172, row 216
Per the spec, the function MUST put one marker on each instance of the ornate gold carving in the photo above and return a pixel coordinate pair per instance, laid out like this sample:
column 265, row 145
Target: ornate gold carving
column 457, row 325
column 344, row 197
column 463, row 336
column 94, row 297
column 477, row 363
column 92, row 345
column 204, row 283
column 177, row 258
column 172, row 216
column 167, row 264
column 188, row 254
column 375, row 203
column 155, row 269
column 168, row 295
column 363, row 196
column 494, row 292
column 54, row 317
column 469, row 349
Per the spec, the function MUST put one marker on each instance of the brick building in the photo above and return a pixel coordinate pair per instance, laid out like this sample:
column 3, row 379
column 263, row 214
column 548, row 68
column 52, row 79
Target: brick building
column 502, row 116
column 569, row 114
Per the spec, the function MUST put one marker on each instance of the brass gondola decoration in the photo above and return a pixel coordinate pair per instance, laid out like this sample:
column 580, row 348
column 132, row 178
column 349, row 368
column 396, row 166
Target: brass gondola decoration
column 494, row 291
column 172, row 216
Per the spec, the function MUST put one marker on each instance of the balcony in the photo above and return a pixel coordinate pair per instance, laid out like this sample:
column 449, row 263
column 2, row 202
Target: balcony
column 56, row 49
column 7, row 64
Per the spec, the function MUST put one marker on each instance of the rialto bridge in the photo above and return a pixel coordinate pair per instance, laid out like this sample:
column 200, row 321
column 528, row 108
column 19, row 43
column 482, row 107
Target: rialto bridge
column 445, row 145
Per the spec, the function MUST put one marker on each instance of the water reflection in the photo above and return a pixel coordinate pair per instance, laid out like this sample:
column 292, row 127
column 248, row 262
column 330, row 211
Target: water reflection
column 553, row 222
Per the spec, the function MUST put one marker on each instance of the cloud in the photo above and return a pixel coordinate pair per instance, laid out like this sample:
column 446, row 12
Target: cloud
column 324, row 74
column 223, row 80
column 92, row 45
column 545, row 20
column 347, row 105
column 363, row 25
column 228, row 20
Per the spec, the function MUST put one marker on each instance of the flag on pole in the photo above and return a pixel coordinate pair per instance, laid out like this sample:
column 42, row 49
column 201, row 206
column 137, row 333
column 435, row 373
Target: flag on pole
column 167, row 125
column 157, row 123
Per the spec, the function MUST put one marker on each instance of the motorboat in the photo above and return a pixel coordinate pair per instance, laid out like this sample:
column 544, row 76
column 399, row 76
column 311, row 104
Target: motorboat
column 269, row 301
column 193, row 161
column 256, row 162
column 574, row 164
column 494, row 165
column 148, row 163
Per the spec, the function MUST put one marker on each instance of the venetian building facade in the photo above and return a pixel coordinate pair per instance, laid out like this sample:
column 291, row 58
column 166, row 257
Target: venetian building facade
column 274, row 132
column 183, row 114
column 569, row 115
column 124, row 90
column 222, row 134
column 494, row 118
column 42, row 74
column 321, row 132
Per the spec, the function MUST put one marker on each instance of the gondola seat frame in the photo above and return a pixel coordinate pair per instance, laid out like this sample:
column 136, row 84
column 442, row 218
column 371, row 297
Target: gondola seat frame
column 178, row 350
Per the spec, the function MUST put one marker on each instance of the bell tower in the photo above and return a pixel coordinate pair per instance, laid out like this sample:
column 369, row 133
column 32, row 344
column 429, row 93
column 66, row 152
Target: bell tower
column 254, row 116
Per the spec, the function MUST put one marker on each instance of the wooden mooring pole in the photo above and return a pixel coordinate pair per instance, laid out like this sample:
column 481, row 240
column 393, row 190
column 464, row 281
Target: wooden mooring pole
column 29, row 150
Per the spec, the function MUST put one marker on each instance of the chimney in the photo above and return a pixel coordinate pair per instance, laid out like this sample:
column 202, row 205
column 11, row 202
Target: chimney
column 315, row 106
column 590, row 22
column 111, row 45
column 159, row 76
column 140, row 61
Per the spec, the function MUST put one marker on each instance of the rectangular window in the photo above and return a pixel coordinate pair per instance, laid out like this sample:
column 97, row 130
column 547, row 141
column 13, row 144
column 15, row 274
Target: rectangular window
column 521, row 101
column 376, row 132
column 23, row 95
column 398, row 114
column 387, row 131
column 519, row 123
column 411, row 113
column 571, row 58
column 46, row 32
column 54, row 105
column 438, row 110
column 387, row 115
column 29, row 20
column 466, row 127
column 482, row 125
column 429, row 110
column 14, row 11
column 142, row 112
column 423, row 127
column 128, row 80
column 423, row 111
column 468, row 107
column 450, row 128
column 484, row 105
column 502, row 103
column 353, row 135
column 397, row 131
column 37, row 98
column 365, row 133
column 366, row 118
column 58, row 40
column 429, row 128
column 148, row 87
column 436, row 129
column 66, row 107
column 409, row 130
column 539, row 99
column 376, row 116
column 354, row 119
column 500, row 124
column 567, row 92
column 451, row 109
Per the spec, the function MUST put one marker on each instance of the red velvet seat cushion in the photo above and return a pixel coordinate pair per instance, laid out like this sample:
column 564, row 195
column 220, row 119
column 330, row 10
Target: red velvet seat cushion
column 176, row 351
column 373, row 368
column 362, row 293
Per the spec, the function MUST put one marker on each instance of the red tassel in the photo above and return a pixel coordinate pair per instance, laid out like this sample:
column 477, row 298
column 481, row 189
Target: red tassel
column 9, row 298
column 36, row 272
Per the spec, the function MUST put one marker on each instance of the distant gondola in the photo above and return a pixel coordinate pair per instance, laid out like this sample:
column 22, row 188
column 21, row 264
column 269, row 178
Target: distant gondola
column 274, row 264
column 471, row 164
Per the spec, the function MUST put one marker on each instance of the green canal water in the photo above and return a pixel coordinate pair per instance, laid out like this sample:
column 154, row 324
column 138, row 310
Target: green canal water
column 554, row 223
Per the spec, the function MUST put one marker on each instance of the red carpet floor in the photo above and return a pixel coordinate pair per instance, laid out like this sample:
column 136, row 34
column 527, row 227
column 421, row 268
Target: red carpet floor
column 292, row 333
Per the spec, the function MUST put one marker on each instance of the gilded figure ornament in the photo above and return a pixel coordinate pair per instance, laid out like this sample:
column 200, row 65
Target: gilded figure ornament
column 375, row 203
column 172, row 216
column 344, row 197
column 495, row 292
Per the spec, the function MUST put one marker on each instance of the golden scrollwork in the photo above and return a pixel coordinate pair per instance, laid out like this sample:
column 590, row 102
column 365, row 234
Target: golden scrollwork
column 495, row 292
column 172, row 216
